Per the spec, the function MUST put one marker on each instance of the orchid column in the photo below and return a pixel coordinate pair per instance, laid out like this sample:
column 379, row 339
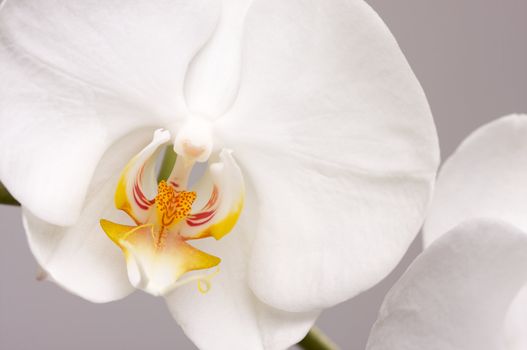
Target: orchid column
column 320, row 149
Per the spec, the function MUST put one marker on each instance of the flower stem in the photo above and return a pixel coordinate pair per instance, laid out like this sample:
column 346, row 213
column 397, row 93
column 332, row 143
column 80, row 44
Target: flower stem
column 6, row 197
column 317, row 340
column 169, row 159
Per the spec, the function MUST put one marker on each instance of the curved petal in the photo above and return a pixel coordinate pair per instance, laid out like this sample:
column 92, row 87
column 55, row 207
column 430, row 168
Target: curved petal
column 224, row 182
column 229, row 316
column 137, row 186
column 79, row 75
column 485, row 177
column 456, row 294
column 81, row 258
column 334, row 133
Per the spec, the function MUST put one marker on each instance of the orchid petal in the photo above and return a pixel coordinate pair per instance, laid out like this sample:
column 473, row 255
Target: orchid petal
column 229, row 316
column 81, row 258
column 226, row 192
column 456, row 294
column 137, row 186
column 76, row 77
column 337, row 143
column 485, row 177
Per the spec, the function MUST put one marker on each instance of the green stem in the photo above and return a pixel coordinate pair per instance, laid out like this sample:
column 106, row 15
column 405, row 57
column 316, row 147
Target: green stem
column 317, row 340
column 6, row 197
column 169, row 159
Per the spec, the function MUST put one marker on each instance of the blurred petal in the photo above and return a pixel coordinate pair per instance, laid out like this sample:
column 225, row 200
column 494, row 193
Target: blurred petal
column 485, row 177
column 81, row 258
column 456, row 294
column 79, row 75
column 229, row 316
column 336, row 139
column 516, row 321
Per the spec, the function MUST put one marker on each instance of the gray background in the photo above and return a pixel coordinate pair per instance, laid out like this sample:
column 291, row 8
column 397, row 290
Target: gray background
column 470, row 56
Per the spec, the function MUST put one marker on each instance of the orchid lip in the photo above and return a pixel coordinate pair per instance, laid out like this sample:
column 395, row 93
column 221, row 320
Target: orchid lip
column 156, row 248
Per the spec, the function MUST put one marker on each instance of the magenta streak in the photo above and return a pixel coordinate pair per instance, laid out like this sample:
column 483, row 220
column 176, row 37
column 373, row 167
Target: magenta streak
column 207, row 212
column 192, row 223
column 201, row 215
column 200, row 218
column 213, row 199
column 139, row 197
column 142, row 206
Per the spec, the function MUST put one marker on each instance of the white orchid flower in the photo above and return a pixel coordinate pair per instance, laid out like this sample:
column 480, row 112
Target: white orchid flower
column 308, row 116
column 469, row 289
column 456, row 295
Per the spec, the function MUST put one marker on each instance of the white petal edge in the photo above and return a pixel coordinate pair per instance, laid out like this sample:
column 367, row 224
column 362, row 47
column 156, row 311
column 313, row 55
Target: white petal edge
column 81, row 258
column 76, row 77
column 456, row 294
column 335, row 137
column 485, row 177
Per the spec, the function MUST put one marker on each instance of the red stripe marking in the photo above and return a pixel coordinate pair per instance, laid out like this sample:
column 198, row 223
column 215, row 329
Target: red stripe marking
column 201, row 215
column 192, row 223
column 139, row 197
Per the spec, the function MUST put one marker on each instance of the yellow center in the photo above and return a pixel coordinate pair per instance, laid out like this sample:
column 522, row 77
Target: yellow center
column 157, row 255
column 172, row 206
column 156, row 245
